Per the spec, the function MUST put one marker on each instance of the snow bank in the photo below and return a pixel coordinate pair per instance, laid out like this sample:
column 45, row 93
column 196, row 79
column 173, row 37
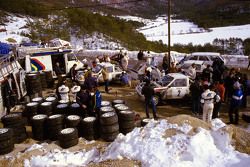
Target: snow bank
column 154, row 148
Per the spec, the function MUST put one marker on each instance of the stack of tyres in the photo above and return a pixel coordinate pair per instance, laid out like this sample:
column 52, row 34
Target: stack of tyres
column 72, row 121
column 17, row 123
column 117, row 101
column 105, row 104
column 6, row 141
column 126, row 121
column 45, row 108
column 33, row 83
column 75, row 109
column 43, row 80
column 55, row 123
column 61, row 108
column 88, row 128
column 68, row 137
column 109, row 126
column 39, row 100
column 39, row 130
column 49, row 79
column 53, row 100
column 31, row 109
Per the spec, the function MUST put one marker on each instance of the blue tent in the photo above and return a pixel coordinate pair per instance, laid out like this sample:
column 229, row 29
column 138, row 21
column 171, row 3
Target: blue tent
column 4, row 48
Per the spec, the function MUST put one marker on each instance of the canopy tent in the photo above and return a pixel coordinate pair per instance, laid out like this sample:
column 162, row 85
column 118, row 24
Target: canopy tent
column 4, row 48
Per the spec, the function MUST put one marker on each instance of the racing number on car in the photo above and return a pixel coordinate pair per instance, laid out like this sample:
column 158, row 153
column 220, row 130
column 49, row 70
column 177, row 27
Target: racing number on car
column 179, row 92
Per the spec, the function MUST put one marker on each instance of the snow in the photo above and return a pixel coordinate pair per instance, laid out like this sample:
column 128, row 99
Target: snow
column 184, row 32
column 13, row 29
column 153, row 148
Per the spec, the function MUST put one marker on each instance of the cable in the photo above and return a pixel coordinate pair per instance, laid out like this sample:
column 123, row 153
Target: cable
column 97, row 5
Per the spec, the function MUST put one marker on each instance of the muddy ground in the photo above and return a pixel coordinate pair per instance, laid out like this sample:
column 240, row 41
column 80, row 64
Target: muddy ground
column 168, row 109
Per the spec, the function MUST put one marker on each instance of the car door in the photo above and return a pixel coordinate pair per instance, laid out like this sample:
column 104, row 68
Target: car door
column 178, row 89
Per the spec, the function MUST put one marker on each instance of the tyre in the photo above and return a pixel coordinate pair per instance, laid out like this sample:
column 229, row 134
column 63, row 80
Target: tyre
column 54, row 120
column 11, row 118
column 105, row 103
column 127, row 124
column 121, row 108
column 6, row 150
column 61, row 109
column 72, row 121
column 88, row 126
column 126, row 115
column 45, row 108
column 69, row 143
column 109, row 118
column 109, row 137
column 39, row 120
column 106, row 109
column 39, row 127
column 75, row 109
column 53, row 100
column 110, row 128
column 118, row 101
column 68, row 134
column 5, row 134
column 20, row 123
column 145, row 121
column 126, row 131
column 246, row 116
column 39, row 100
column 30, row 109
column 20, row 138
column 6, row 143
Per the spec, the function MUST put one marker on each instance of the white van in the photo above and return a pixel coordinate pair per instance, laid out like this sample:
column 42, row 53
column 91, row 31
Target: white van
column 37, row 59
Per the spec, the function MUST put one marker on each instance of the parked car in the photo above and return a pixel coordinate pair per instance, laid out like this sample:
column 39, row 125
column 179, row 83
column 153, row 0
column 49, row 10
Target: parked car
column 171, row 86
column 200, row 66
column 206, row 57
column 114, row 72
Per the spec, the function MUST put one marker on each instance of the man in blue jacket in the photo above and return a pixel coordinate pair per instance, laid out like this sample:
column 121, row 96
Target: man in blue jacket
column 235, row 103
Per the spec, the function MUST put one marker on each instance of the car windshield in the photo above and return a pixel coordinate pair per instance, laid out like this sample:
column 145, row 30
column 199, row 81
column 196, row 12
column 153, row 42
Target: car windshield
column 165, row 80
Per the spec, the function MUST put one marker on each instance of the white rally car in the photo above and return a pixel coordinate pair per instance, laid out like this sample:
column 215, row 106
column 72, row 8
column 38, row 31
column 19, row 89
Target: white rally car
column 171, row 86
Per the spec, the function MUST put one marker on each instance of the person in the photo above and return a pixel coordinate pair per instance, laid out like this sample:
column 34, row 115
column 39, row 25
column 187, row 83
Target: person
column 148, row 93
column 125, row 79
column 97, row 104
column 73, row 72
column 64, row 91
column 207, row 73
column 124, row 62
column 90, row 82
column 105, row 76
column 74, row 90
column 82, row 98
column 191, row 72
column 58, row 69
column 208, row 98
column 172, row 68
column 235, row 103
column 148, row 73
column 196, row 91
column 106, row 59
column 220, row 89
column 140, row 55
column 165, row 63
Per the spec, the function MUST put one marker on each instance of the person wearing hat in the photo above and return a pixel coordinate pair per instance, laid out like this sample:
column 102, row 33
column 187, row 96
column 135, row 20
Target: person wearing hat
column 235, row 103
column 192, row 71
column 74, row 90
column 64, row 92
column 148, row 92
column 208, row 98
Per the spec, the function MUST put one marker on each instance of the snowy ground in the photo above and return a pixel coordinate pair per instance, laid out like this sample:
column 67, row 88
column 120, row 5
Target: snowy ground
column 185, row 32
column 208, row 148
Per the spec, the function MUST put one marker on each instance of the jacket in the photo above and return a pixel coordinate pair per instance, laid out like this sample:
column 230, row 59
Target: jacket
column 148, row 92
column 237, row 98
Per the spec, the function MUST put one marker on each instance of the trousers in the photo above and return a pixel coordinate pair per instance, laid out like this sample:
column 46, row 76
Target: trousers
column 208, row 112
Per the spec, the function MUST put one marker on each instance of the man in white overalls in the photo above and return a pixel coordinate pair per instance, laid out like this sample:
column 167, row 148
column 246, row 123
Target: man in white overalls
column 64, row 92
column 74, row 90
column 208, row 98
